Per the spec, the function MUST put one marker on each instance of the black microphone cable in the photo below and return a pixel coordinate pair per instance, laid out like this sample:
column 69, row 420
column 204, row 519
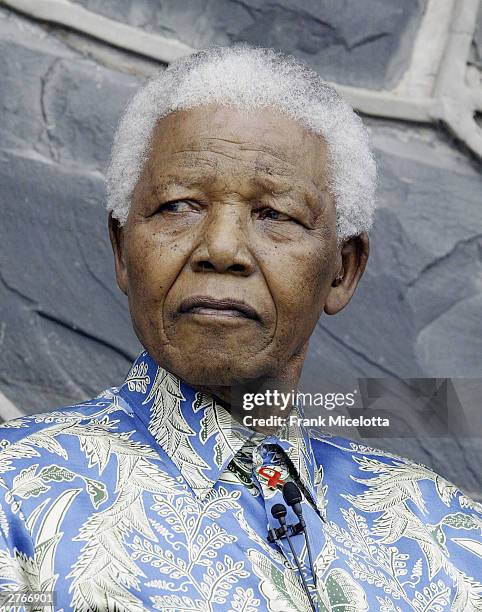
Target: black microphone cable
column 279, row 512
column 292, row 496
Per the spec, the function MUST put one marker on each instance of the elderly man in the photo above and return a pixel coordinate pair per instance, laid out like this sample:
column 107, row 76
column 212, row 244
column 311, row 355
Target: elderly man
column 240, row 191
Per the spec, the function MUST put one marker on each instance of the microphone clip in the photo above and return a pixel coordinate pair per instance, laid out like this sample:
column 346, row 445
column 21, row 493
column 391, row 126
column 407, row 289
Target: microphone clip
column 278, row 533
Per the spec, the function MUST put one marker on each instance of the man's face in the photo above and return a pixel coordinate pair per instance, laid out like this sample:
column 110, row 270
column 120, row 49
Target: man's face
column 230, row 247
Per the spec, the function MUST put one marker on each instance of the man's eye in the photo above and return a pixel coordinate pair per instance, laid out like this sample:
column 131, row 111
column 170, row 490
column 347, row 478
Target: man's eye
column 178, row 206
column 275, row 215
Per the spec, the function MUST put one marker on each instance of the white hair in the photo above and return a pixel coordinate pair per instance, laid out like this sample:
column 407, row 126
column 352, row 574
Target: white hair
column 249, row 78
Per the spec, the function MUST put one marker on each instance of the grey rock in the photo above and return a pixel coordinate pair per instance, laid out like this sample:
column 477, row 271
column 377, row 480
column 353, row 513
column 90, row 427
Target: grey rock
column 26, row 55
column 55, row 101
column 66, row 332
column 476, row 51
column 82, row 103
column 366, row 44
column 58, row 112
column 452, row 339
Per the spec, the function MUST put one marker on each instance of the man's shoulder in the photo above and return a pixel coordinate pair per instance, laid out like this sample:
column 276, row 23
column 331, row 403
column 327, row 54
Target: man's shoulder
column 385, row 509
column 376, row 480
column 98, row 407
column 47, row 450
column 328, row 448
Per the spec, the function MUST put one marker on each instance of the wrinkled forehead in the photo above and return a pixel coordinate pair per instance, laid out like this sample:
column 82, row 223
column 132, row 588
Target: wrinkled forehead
column 212, row 140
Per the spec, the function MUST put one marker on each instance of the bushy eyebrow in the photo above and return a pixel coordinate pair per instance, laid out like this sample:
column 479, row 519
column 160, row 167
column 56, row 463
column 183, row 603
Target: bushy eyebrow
column 314, row 198
column 270, row 185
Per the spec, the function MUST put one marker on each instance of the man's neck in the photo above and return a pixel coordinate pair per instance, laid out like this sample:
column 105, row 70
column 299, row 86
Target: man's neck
column 277, row 392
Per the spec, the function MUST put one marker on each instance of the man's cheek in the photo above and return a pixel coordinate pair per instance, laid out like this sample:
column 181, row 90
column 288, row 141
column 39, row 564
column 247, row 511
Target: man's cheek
column 147, row 263
column 305, row 294
column 304, row 287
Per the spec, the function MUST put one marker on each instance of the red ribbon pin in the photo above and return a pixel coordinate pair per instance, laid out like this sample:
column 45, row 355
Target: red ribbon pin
column 272, row 475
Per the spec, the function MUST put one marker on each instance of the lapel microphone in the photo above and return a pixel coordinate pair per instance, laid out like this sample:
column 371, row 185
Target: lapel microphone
column 292, row 496
column 279, row 513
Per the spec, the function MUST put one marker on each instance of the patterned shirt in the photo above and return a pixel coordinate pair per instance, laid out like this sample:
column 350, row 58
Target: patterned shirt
column 150, row 497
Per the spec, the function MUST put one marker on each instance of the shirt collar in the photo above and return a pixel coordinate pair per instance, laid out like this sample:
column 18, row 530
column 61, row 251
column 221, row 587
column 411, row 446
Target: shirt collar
column 196, row 432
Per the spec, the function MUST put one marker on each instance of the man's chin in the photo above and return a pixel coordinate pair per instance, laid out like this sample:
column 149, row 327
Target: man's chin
column 211, row 370
column 214, row 375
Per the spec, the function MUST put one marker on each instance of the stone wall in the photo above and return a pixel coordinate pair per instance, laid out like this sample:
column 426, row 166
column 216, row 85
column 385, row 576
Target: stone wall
column 412, row 69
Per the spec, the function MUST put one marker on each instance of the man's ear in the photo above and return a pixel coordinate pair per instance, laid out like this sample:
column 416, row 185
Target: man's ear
column 116, row 235
column 352, row 262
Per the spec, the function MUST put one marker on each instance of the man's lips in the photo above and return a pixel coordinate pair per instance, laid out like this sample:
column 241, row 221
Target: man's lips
column 209, row 306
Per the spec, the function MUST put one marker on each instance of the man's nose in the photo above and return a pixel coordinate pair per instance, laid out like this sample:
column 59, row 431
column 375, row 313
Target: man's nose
column 223, row 247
